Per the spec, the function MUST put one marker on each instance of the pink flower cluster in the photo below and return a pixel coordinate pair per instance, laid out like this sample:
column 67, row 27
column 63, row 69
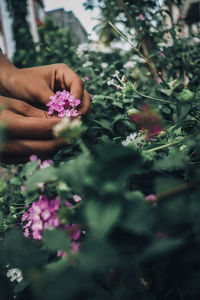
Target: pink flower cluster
column 40, row 216
column 42, row 164
column 64, row 104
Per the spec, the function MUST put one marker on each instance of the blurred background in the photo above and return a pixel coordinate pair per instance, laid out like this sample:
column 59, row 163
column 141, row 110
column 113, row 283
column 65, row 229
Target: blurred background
column 23, row 23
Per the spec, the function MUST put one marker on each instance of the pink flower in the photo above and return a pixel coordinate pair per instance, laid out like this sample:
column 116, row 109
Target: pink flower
column 75, row 247
column 45, row 163
column 141, row 17
column 68, row 203
column 22, row 188
column 64, row 104
column 33, row 157
column 87, row 78
column 73, row 231
column 159, row 80
column 41, row 215
column 61, row 253
column 162, row 54
column 151, row 197
column 77, row 198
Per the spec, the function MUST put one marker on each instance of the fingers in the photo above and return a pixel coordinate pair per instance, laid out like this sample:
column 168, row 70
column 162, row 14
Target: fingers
column 22, row 108
column 19, row 151
column 43, row 94
column 85, row 104
column 29, row 128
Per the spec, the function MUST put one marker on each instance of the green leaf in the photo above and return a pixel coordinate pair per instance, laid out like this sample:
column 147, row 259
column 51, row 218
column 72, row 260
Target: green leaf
column 47, row 174
column 101, row 217
column 30, row 168
column 3, row 187
column 56, row 240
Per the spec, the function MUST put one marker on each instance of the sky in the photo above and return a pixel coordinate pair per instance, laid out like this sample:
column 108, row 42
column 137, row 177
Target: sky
column 85, row 17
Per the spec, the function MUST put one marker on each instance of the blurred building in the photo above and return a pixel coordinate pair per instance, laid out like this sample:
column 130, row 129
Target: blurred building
column 67, row 20
column 35, row 17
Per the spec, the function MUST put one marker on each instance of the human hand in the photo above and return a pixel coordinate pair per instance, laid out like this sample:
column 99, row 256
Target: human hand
column 37, row 84
column 29, row 131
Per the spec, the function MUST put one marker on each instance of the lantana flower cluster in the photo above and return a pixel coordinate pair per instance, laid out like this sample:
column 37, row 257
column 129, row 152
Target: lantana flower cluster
column 64, row 103
column 43, row 215
column 40, row 216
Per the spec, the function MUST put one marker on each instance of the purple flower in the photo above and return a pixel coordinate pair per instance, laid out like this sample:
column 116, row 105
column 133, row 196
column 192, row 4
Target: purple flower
column 73, row 231
column 41, row 215
column 151, row 197
column 75, row 247
column 64, row 103
column 159, row 80
column 33, row 157
column 77, row 198
column 22, row 188
column 61, row 253
column 141, row 17
column 162, row 54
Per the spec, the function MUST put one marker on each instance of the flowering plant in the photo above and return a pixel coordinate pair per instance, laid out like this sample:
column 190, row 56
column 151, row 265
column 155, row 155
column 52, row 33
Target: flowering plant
column 136, row 233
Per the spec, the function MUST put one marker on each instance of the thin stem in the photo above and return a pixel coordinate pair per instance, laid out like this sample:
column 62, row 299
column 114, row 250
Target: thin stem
column 180, row 189
column 151, row 65
column 153, row 98
column 83, row 147
column 167, row 145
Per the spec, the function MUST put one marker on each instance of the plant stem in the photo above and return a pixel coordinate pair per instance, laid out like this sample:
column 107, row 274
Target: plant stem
column 151, row 65
column 180, row 189
column 153, row 98
column 167, row 145
column 83, row 147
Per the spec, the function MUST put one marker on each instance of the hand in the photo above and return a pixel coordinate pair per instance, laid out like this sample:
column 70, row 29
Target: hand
column 29, row 130
column 39, row 83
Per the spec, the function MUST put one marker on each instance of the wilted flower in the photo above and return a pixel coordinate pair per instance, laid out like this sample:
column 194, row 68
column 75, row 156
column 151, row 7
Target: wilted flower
column 147, row 120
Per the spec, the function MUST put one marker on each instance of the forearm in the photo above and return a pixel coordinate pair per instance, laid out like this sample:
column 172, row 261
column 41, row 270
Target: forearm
column 7, row 69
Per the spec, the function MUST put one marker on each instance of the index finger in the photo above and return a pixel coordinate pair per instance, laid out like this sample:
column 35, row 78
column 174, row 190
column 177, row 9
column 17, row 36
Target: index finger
column 75, row 85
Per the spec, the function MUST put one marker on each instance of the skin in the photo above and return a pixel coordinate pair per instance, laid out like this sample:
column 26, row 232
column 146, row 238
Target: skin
column 24, row 93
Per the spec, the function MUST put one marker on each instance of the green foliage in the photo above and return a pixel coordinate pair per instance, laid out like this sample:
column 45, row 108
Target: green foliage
column 139, row 217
